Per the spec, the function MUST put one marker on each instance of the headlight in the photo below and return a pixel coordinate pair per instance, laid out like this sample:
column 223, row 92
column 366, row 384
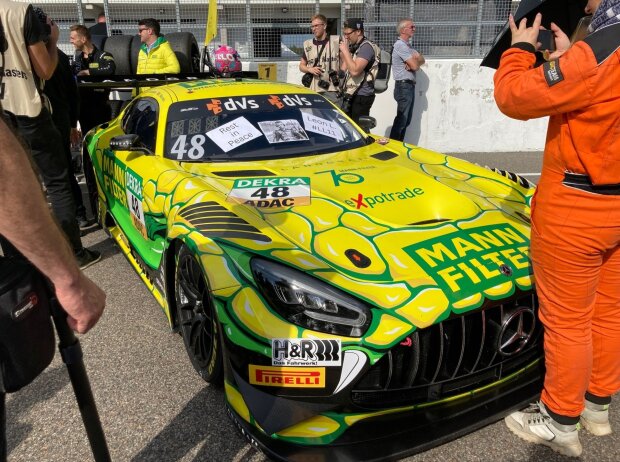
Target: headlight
column 309, row 302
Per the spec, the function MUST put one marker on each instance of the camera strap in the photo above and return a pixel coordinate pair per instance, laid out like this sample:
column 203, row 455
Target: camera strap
column 318, row 58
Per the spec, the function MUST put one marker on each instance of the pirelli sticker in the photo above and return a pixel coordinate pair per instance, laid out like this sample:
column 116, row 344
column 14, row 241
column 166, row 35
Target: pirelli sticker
column 271, row 192
column 287, row 377
column 552, row 72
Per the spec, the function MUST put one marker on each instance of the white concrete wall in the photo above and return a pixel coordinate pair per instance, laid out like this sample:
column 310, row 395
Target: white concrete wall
column 454, row 110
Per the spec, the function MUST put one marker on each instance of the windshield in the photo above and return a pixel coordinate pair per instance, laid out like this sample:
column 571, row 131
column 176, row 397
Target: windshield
column 256, row 127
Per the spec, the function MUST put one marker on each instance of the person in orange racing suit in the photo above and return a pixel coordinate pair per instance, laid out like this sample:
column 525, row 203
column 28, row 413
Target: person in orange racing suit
column 575, row 241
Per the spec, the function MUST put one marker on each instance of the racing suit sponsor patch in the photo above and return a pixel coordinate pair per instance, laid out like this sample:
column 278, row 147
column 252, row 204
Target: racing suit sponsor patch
column 552, row 72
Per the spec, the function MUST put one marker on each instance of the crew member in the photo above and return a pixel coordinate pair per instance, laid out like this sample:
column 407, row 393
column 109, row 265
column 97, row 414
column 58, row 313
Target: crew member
column 575, row 242
column 156, row 55
column 94, row 102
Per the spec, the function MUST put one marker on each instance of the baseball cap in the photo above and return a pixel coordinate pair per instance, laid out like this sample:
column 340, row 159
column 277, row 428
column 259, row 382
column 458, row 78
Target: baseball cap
column 354, row 23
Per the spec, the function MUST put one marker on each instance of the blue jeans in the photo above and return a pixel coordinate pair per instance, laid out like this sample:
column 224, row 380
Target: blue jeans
column 404, row 94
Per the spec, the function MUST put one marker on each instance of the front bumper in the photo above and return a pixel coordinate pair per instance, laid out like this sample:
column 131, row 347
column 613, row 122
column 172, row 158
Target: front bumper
column 391, row 436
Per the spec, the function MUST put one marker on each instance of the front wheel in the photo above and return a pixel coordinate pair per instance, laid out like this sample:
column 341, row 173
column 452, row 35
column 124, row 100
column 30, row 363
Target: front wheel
column 196, row 317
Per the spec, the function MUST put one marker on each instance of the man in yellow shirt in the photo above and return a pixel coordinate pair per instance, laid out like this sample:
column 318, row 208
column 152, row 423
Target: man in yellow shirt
column 156, row 55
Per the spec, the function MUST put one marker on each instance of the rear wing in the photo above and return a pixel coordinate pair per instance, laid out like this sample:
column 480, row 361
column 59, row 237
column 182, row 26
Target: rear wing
column 119, row 82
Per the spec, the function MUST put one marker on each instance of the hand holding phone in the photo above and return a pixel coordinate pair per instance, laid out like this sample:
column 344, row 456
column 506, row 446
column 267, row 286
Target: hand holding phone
column 546, row 38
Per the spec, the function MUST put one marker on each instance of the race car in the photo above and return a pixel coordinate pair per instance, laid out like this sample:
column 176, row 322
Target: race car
column 360, row 298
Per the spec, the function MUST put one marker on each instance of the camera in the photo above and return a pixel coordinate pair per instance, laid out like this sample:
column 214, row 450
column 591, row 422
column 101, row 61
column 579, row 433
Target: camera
column 42, row 16
column 333, row 78
column 347, row 103
column 324, row 84
column 306, row 80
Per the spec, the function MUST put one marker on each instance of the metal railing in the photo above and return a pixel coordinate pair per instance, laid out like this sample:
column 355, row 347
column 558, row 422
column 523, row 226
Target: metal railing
column 274, row 30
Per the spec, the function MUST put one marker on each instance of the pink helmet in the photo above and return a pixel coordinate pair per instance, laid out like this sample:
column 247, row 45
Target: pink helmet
column 227, row 60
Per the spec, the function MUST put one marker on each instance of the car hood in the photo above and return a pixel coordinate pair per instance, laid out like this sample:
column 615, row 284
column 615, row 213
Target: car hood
column 408, row 230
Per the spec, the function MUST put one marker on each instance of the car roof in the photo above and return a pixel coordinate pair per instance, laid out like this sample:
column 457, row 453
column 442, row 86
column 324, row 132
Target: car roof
column 230, row 87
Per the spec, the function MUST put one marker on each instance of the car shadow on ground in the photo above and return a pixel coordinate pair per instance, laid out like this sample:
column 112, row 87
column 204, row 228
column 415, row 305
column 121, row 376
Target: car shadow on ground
column 201, row 434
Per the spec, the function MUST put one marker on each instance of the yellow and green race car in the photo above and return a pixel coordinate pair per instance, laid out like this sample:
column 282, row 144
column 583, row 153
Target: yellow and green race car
column 360, row 298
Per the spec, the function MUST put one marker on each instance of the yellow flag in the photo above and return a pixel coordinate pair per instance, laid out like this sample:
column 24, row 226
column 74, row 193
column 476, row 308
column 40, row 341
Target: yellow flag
column 211, row 22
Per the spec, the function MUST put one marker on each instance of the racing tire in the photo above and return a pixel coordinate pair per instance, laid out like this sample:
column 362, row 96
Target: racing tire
column 134, row 51
column 185, row 47
column 196, row 317
column 119, row 46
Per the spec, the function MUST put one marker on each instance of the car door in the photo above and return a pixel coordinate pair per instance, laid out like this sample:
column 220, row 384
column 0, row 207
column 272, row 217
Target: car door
column 132, row 170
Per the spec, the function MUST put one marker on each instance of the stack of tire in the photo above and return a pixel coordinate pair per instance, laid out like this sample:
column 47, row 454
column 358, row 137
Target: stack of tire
column 125, row 50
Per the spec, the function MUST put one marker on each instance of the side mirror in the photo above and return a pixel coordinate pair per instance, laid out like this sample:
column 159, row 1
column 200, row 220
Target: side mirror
column 129, row 142
column 367, row 123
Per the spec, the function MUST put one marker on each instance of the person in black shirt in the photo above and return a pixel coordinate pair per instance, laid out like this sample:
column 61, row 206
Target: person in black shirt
column 99, row 32
column 62, row 92
column 30, row 56
column 94, row 106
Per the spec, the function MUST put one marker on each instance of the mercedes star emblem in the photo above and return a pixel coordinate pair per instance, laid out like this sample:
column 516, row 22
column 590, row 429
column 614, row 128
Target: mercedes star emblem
column 517, row 330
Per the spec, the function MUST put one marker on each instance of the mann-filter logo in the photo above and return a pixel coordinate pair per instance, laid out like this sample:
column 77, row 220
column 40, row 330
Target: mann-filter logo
column 469, row 260
column 305, row 352
column 287, row 377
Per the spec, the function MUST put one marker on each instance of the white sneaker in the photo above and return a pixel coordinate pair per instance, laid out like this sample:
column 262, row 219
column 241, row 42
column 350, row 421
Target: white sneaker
column 536, row 426
column 595, row 418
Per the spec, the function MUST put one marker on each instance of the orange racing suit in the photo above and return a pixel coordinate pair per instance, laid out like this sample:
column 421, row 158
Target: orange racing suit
column 575, row 242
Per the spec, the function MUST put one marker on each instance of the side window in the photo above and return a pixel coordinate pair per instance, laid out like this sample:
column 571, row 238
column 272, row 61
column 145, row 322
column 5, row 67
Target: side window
column 141, row 119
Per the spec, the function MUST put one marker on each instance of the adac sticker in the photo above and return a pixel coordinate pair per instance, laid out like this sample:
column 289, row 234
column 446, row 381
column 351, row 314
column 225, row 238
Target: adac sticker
column 287, row 377
column 271, row 192
column 305, row 352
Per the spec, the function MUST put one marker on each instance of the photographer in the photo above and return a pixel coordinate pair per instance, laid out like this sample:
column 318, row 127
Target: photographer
column 30, row 56
column 37, row 237
column 320, row 62
column 360, row 62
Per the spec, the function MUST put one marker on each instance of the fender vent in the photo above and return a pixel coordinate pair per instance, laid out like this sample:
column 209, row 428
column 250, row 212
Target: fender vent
column 385, row 155
column 213, row 220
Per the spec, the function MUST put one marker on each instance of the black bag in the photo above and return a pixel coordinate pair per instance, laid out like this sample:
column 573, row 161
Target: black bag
column 27, row 341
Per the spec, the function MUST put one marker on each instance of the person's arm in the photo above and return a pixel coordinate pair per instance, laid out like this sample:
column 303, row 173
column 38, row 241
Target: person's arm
column 43, row 56
column 415, row 61
column 358, row 65
column 557, row 87
column 25, row 220
column 172, row 63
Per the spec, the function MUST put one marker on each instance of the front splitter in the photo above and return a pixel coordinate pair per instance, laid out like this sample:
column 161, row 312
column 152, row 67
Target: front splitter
column 392, row 437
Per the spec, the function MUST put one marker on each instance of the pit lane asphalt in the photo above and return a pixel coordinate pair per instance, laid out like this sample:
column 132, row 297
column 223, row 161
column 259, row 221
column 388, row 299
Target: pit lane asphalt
column 154, row 407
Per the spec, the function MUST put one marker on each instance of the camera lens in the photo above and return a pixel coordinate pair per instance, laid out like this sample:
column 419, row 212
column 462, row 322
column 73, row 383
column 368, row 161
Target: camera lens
column 323, row 84
column 333, row 77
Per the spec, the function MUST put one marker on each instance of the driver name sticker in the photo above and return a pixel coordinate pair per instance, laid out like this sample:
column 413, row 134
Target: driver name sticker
column 133, row 188
column 234, row 134
column 322, row 126
column 271, row 192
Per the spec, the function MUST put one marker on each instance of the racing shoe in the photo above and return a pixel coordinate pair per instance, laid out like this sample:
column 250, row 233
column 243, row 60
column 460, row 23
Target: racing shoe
column 86, row 258
column 595, row 418
column 536, row 426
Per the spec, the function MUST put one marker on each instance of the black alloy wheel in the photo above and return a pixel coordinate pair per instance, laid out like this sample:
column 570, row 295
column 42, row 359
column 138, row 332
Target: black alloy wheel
column 196, row 317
